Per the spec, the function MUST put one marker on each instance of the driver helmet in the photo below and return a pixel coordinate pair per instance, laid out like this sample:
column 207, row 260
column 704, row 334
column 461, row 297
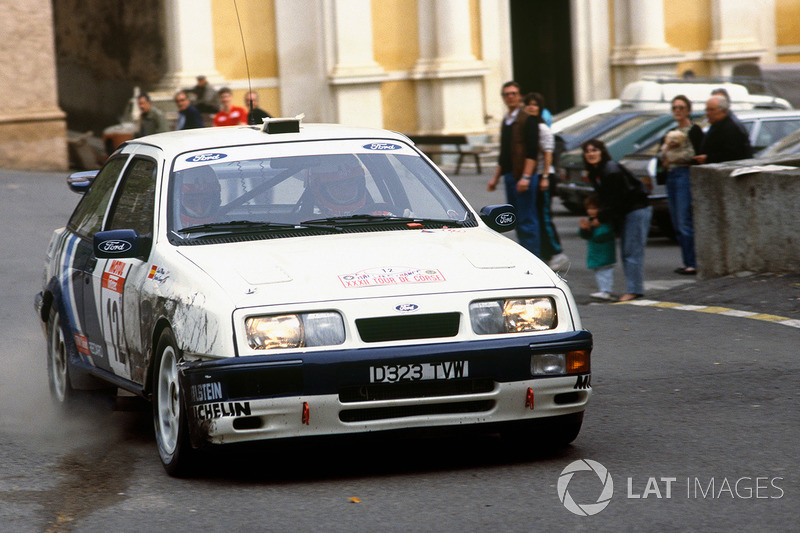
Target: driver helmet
column 338, row 185
column 200, row 195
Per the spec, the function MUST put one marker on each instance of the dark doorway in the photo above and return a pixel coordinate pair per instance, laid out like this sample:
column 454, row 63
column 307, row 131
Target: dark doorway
column 542, row 50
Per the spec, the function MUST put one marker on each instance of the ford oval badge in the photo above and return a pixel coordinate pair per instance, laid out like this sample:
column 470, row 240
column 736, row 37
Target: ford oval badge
column 200, row 158
column 407, row 308
column 114, row 246
column 381, row 146
column 505, row 219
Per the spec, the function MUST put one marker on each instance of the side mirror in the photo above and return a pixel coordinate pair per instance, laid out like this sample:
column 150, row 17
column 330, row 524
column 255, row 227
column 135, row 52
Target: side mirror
column 80, row 182
column 500, row 218
column 116, row 244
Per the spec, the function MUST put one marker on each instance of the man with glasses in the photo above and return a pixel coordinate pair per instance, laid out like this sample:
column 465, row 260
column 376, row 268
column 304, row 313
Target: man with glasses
column 188, row 115
column 519, row 149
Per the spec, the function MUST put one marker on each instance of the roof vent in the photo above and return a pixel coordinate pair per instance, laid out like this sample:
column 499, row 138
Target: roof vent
column 282, row 124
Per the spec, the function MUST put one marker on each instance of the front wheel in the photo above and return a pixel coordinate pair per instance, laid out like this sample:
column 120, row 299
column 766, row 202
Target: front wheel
column 169, row 415
column 61, row 390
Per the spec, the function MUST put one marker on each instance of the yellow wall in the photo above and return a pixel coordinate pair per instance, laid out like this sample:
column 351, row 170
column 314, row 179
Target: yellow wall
column 258, row 32
column 396, row 48
column 686, row 24
column 258, row 28
column 787, row 22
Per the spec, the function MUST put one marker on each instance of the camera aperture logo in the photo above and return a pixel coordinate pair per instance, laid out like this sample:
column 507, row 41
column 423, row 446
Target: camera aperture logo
column 585, row 509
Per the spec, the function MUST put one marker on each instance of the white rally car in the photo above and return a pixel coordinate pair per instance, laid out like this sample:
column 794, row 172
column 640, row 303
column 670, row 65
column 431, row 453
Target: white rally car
column 297, row 280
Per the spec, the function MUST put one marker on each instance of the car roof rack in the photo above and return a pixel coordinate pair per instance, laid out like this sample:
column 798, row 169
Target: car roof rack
column 282, row 124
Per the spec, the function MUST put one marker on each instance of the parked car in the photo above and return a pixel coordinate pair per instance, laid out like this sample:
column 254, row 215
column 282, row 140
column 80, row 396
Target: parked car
column 789, row 145
column 761, row 125
column 573, row 184
column 304, row 280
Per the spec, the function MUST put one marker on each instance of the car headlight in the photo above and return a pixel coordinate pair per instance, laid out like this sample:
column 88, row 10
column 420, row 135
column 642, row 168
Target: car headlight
column 514, row 315
column 301, row 330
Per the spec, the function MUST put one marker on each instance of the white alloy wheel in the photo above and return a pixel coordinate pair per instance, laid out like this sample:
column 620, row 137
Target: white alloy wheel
column 57, row 361
column 168, row 404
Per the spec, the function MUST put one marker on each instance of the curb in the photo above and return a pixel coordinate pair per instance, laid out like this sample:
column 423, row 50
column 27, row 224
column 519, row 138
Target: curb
column 726, row 311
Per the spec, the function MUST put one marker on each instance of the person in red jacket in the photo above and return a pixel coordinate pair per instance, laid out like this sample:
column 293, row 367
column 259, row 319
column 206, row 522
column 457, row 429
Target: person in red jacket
column 229, row 114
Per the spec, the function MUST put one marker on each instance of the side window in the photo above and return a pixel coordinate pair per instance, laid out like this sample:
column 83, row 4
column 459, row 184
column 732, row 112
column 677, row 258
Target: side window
column 134, row 207
column 88, row 215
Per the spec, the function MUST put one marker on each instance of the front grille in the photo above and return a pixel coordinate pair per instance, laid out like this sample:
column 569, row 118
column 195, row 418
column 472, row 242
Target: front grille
column 397, row 328
column 385, row 413
column 417, row 389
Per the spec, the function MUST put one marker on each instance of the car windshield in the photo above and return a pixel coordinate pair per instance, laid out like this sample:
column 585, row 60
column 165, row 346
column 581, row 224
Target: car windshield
column 322, row 185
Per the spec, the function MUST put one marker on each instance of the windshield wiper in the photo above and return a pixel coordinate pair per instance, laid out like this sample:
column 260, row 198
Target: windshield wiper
column 353, row 220
column 236, row 226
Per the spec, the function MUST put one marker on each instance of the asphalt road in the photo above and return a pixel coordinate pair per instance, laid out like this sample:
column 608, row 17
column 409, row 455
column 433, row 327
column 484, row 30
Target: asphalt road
column 695, row 418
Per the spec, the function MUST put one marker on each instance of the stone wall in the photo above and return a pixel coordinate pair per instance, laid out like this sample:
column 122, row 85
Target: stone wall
column 32, row 126
column 747, row 216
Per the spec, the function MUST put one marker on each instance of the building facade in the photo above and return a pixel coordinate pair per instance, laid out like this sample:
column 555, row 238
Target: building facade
column 417, row 66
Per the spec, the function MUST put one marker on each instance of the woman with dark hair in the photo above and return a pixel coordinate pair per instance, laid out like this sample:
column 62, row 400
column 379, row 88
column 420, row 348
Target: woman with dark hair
column 625, row 207
column 551, row 251
column 679, row 194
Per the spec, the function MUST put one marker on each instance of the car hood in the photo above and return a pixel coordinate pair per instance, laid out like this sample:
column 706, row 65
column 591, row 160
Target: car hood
column 366, row 265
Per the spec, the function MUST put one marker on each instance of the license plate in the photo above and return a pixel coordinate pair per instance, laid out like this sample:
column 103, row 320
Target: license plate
column 419, row 372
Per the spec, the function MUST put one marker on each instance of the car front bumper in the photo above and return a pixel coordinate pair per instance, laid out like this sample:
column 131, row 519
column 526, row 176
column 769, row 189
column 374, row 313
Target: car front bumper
column 337, row 392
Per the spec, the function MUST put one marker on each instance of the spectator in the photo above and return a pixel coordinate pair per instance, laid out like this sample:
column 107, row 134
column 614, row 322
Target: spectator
column 229, row 115
column 551, row 250
column 188, row 115
column 152, row 119
column 724, row 140
column 205, row 97
column 601, row 255
column 255, row 115
column 679, row 195
column 624, row 205
column 519, row 148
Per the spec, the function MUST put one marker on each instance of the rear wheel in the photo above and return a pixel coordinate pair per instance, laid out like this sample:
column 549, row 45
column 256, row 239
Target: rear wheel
column 169, row 414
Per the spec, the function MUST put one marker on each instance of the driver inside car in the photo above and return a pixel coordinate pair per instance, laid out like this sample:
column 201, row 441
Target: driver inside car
column 200, row 196
column 339, row 189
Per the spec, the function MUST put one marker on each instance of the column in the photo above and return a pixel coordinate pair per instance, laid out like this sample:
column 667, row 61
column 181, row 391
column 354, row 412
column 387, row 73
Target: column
column 640, row 49
column 355, row 77
column 189, row 44
column 33, row 129
column 449, row 77
column 590, row 49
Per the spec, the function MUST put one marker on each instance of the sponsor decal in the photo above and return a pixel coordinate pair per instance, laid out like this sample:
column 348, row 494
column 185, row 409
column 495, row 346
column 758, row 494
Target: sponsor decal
column 583, row 382
column 114, row 276
column 200, row 158
column 114, row 246
column 407, row 308
column 391, row 276
column 206, row 392
column 382, row 146
column 158, row 274
column 82, row 343
column 210, row 411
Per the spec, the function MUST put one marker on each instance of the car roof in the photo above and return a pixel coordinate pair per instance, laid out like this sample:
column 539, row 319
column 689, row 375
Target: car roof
column 767, row 113
column 213, row 137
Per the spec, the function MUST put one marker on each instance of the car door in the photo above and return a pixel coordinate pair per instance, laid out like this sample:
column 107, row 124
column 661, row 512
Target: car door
column 116, row 282
column 78, row 262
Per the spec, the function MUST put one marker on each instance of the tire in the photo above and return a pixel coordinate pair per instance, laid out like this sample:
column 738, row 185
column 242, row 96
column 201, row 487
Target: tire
column 58, row 378
column 169, row 412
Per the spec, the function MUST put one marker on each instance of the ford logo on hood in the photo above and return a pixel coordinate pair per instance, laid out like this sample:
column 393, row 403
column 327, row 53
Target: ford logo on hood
column 114, row 246
column 407, row 308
